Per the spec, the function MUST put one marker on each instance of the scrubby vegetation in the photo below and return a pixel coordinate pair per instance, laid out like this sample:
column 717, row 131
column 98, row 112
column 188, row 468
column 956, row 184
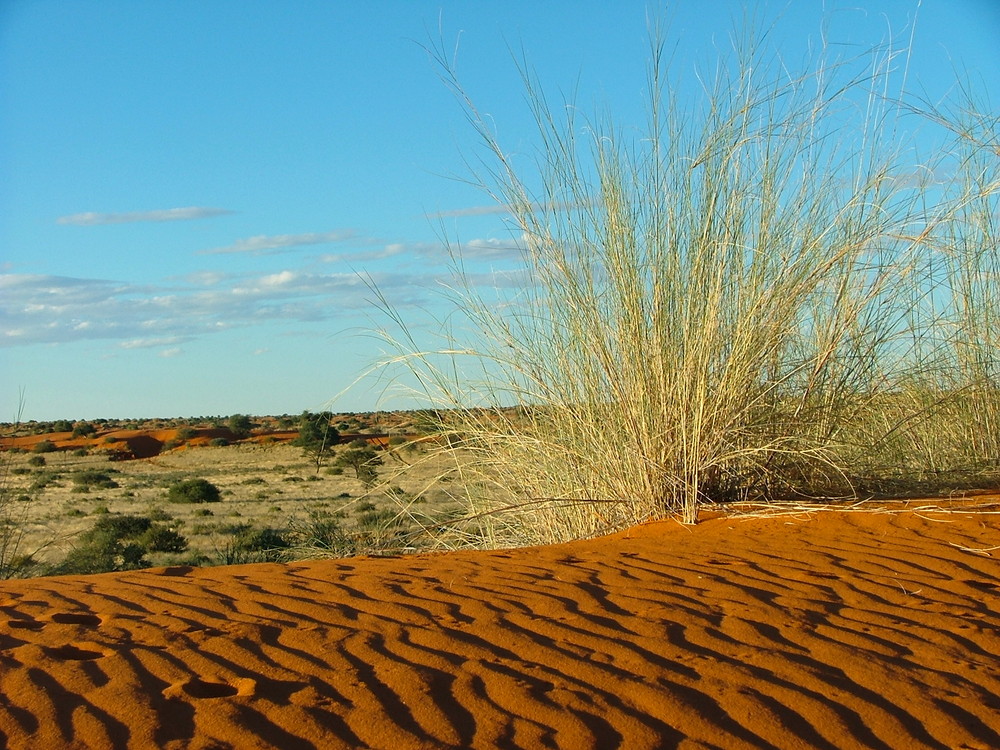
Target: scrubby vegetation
column 93, row 511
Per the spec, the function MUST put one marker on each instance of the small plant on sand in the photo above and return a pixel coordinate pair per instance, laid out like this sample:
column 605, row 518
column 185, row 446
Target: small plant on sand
column 762, row 295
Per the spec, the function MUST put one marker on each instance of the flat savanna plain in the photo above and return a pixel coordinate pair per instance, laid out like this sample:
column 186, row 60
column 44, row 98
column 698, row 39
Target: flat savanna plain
column 265, row 483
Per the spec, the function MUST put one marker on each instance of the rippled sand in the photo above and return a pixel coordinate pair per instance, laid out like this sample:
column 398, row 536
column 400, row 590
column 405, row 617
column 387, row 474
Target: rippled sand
column 828, row 630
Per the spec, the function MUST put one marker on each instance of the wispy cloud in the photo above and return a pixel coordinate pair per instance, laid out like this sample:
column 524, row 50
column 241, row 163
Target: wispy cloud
column 150, row 343
column 497, row 208
column 387, row 251
column 436, row 252
column 55, row 309
column 263, row 243
column 188, row 213
column 163, row 316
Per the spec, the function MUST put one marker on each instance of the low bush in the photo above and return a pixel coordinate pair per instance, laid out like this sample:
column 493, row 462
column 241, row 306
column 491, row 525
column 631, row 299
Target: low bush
column 119, row 543
column 248, row 544
column 88, row 478
column 194, row 491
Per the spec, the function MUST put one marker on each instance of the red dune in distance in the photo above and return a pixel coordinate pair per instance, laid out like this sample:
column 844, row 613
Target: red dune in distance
column 820, row 630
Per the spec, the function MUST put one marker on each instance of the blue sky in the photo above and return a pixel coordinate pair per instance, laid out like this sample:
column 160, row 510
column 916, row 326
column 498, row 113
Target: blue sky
column 192, row 188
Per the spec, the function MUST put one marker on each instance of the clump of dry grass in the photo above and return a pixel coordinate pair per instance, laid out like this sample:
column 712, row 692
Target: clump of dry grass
column 14, row 561
column 760, row 296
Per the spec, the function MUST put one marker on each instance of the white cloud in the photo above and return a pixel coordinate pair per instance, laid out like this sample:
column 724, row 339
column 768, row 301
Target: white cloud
column 52, row 309
column 388, row 251
column 149, row 343
column 262, row 243
column 498, row 208
column 188, row 213
column 438, row 252
column 167, row 353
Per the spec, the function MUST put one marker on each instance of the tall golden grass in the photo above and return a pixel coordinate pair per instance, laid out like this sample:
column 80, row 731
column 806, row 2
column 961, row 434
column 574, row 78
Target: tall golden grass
column 762, row 294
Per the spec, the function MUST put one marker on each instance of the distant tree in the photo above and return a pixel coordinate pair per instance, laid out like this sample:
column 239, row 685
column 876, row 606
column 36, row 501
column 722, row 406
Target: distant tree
column 61, row 425
column 44, row 446
column 317, row 436
column 84, row 429
column 240, row 425
column 363, row 458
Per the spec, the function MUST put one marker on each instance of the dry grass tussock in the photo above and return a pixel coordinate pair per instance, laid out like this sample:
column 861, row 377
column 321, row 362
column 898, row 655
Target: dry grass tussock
column 766, row 294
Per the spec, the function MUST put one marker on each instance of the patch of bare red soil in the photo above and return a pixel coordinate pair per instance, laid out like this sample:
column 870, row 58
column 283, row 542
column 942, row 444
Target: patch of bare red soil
column 838, row 630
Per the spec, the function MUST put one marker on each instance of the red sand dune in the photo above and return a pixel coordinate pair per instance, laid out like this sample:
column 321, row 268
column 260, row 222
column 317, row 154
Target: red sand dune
column 834, row 630
column 133, row 444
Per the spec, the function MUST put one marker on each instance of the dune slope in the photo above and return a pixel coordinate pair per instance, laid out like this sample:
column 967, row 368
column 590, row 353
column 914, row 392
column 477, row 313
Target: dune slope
column 833, row 630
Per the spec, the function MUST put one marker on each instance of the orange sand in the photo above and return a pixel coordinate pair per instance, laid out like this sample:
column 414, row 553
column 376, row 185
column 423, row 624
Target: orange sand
column 839, row 630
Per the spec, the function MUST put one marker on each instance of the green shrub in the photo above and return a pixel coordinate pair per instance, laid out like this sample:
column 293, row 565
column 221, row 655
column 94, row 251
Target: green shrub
column 240, row 425
column 36, row 461
column 248, row 544
column 120, row 543
column 218, row 442
column 194, row 491
column 84, row 429
column 159, row 514
column 88, row 478
column 44, row 446
column 163, row 539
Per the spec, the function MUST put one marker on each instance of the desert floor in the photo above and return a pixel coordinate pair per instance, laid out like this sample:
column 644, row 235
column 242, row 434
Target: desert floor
column 269, row 485
column 832, row 629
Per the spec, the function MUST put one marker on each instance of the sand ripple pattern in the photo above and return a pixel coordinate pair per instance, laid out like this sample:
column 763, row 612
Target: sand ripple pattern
column 843, row 630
